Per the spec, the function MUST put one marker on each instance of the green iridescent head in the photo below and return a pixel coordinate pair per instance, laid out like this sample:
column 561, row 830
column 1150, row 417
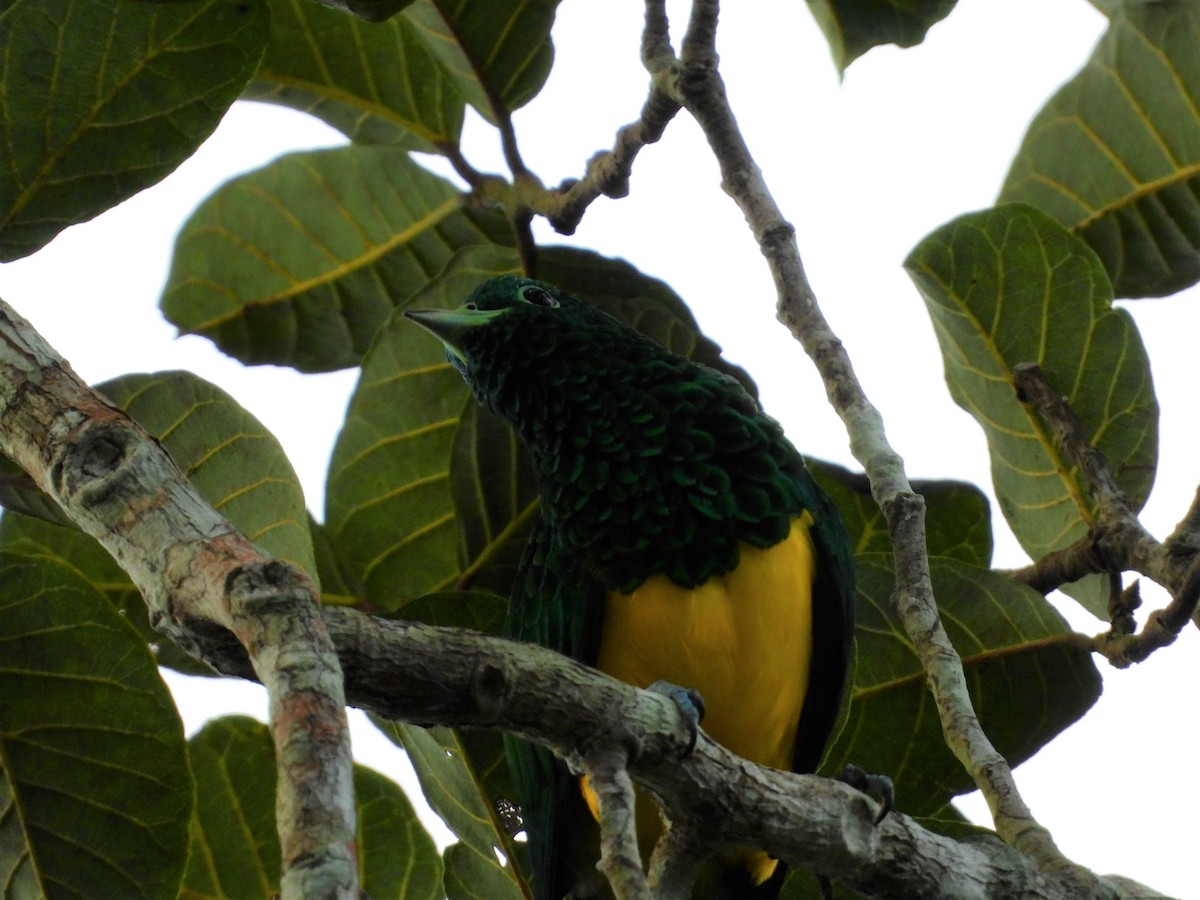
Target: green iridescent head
column 506, row 296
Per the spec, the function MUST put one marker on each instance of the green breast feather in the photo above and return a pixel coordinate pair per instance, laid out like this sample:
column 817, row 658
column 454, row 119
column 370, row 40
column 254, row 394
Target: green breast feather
column 647, row 463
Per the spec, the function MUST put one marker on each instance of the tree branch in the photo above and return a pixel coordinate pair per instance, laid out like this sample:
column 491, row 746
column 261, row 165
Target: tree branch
column 1118, row 540
column 703, row 93
column 717, row 801
column 192, row 566
column 252, row 617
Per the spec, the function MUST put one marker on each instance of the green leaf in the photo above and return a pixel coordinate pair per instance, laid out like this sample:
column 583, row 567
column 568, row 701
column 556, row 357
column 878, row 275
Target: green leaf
column 458, row 792
column 1006, row 286
column 377, row 84
column 470, row 876
column 498, row 53
column 396, row 855
column 371, row 10
column 102, row 99
column 388, row 510
column 227, row 455
column 477, row 610
column 1115, row 153
column 957, row 514
column 338, row 586
column 70, row 547
column 300, row 262
column 852, row 27
column 1027, row 675
column 234, row 844
column 19, row 493
column 95, row 792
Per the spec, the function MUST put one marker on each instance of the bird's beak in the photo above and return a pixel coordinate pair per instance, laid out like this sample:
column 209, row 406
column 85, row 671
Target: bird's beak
column 449, row 325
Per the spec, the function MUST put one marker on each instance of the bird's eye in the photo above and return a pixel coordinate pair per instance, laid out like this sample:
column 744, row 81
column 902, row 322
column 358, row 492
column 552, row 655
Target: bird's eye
column 538, row 296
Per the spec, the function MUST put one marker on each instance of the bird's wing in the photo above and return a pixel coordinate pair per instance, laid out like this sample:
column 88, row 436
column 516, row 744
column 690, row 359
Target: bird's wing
column 833, row 629
column 557, row 604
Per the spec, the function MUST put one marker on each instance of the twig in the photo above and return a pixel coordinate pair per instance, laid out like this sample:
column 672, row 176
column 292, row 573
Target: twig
column 619, row 858
column 196, row 572
column 703, row 93
column 674, row 863
column 1118, row 539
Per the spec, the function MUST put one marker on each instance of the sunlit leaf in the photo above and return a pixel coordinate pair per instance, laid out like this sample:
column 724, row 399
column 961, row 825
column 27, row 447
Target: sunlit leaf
column 1007, row 286
column 95, row 791
column 376, row 83
column 300, row 262
column 1028, row 676
column 100, row 100
column 852, row 27
column 1115, row 154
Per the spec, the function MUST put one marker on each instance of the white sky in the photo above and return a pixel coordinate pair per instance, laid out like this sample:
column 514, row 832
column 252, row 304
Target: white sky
column 864, row 169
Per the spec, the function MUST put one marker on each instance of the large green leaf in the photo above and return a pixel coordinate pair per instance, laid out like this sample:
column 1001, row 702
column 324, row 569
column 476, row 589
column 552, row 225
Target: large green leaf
column 396, row 856
column 69, row 546
column 852, row 27
column 301, row 261
column 95, row 792
column 388, row 511
column 957, row 515
column 1006, row 286
column 458, row 792
column 99, row 100
column 498, row 53
column 377, row 84
column 227, row 455
column 1028, row 678
column 1115, row 154
column 231, row 459
column 234, row 843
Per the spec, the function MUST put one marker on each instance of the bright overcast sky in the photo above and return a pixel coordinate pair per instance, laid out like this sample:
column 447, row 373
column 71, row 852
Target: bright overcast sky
column 864, row 168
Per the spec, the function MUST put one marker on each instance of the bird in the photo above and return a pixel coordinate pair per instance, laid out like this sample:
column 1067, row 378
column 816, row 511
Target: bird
column 680, row 539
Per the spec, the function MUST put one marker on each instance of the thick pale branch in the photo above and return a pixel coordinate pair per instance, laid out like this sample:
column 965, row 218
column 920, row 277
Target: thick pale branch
column 425, row 674
column 703, row 93
column 192, row 566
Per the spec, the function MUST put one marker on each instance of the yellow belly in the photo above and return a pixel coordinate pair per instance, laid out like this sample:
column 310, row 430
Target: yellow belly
column 743, row 640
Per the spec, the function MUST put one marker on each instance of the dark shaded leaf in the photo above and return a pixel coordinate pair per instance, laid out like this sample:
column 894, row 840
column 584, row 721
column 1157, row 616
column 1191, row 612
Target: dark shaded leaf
column 852, row 27
column 95, row 791
column 69, row 546
column 1028, row 676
